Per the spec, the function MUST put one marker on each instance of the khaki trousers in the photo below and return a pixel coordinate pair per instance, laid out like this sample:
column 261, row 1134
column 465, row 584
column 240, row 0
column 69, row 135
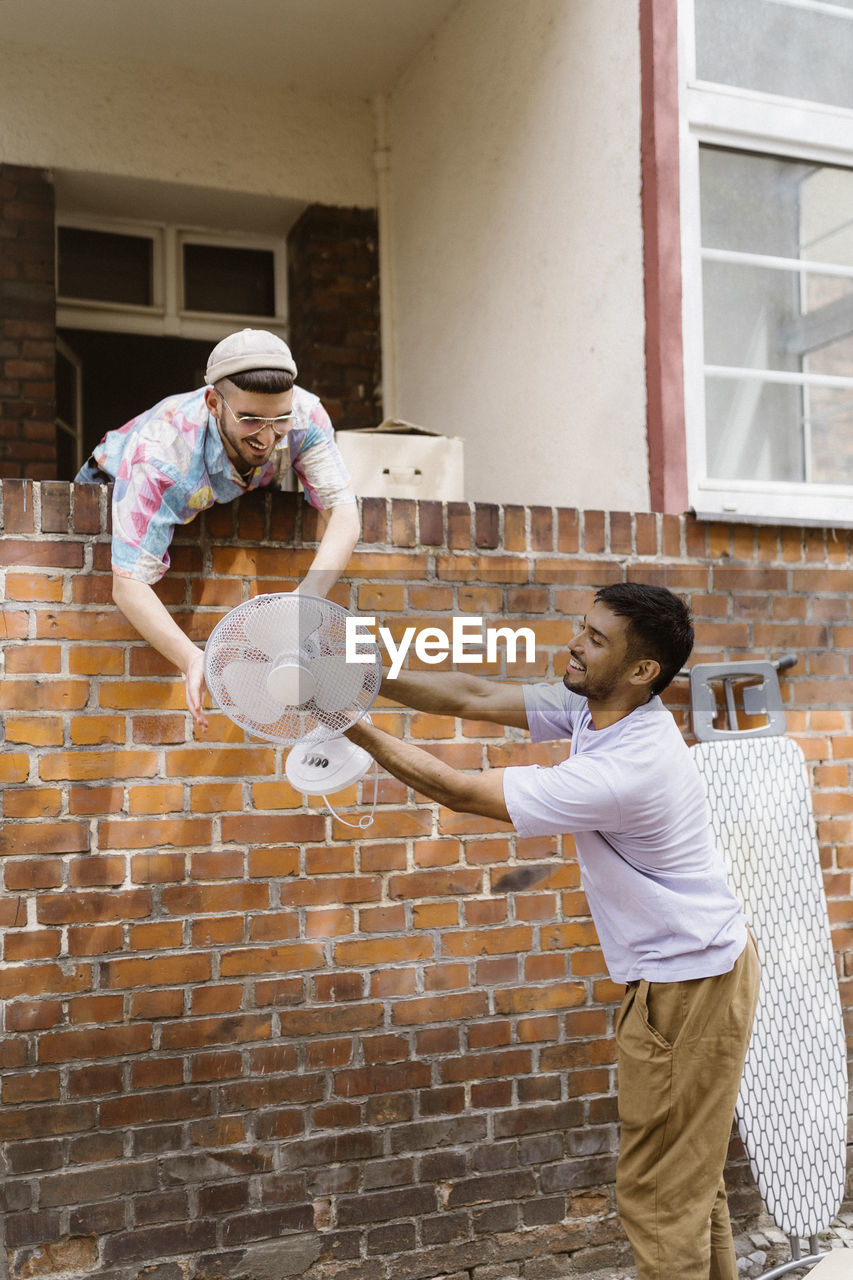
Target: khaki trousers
column 681, row 1051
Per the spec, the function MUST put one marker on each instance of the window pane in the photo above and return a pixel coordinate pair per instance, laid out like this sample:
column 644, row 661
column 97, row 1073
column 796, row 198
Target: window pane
column 765, row 315
column 774, row 46
column 760, row 318
column 754, row 430
column 830, row 429
column 784, row 208
column 105, row 267
column 229, row 281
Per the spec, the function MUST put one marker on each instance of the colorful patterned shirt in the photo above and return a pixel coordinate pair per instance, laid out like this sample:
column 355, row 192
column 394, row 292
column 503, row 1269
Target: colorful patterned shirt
column 169, row 464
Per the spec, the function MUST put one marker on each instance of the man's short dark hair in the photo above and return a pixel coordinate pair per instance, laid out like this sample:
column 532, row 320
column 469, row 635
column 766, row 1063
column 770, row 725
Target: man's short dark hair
column 659, row 625
column 264, row 382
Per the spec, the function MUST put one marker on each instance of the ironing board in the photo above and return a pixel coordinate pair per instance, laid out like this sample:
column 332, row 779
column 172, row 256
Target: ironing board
column 792, row 1108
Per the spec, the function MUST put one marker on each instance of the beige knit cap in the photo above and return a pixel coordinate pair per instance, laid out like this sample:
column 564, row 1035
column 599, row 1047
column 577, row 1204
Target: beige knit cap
column 248, row 349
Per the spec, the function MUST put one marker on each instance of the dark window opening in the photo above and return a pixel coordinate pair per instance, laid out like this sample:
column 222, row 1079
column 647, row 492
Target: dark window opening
column 123, row 374
column 229, row 281
column 103, row 266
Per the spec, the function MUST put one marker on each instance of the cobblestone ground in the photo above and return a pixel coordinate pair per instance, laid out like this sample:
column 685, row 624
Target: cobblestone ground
column 765, row 1247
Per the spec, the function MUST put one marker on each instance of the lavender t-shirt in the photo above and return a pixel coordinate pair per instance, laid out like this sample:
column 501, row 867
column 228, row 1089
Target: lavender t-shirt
column 632, row 797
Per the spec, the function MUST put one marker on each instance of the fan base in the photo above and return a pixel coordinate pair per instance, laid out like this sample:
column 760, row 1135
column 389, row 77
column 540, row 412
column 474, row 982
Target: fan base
column 319, row 770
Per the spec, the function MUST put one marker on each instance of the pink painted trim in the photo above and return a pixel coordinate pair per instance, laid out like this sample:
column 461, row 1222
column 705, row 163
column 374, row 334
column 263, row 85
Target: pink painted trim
column 662, row 255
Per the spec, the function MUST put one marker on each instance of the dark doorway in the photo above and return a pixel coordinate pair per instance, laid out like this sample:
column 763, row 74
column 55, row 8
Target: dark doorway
column 123, row 374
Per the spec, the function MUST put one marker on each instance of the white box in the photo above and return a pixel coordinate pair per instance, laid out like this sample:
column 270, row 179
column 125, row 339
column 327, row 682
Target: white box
column 399, row 460
column 837, row 1264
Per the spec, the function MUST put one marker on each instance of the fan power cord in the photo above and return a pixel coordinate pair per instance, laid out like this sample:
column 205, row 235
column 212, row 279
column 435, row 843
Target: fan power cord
column 366, row 819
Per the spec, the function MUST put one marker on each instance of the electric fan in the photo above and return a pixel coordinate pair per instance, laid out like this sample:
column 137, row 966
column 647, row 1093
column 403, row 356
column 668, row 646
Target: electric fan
column 276, row 666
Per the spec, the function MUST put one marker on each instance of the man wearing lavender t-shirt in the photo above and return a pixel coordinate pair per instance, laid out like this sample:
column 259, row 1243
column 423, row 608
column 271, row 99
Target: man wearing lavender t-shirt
column 670, row 928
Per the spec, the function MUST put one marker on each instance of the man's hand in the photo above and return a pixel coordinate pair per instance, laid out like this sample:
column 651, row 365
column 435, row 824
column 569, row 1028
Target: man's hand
column 196, row 689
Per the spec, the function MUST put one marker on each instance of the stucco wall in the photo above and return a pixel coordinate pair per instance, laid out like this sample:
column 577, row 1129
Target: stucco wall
column 512, row 253
column 516, row 249
column 127, row 117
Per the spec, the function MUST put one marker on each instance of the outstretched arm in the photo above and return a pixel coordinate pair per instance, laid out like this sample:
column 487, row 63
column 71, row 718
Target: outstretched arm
column 453, row 693
column 336, row 545
column 145, row 611
column 480, row 793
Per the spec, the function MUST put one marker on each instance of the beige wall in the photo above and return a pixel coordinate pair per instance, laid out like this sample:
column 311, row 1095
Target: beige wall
column 510, row 216
column 66, row 110
column 515, row 242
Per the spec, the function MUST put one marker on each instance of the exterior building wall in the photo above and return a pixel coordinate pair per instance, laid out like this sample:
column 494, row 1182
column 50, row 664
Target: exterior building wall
column 333, row 285
column 516, row 254
column 192, row 125
column 242, row 1039
column 27, row 324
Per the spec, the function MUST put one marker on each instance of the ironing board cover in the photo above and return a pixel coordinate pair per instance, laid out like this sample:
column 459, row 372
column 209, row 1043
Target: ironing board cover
column 792, row 1109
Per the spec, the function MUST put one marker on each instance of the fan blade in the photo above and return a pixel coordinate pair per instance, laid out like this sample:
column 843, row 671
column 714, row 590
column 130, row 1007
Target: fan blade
column 338, row 682
column 283, row 625
column 245, row 683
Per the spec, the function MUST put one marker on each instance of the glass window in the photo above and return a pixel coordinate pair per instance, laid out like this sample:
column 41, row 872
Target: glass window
column 105, row 266
column 792, row 48
column 777, row 286
column 229, row 280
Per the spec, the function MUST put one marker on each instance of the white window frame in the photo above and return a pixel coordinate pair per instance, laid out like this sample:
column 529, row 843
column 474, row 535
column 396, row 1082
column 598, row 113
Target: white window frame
column 73, row 429
column 743, row 119
column 167, row 317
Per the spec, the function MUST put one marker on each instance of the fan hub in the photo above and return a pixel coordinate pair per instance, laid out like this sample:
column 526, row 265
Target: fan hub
column 291, row 683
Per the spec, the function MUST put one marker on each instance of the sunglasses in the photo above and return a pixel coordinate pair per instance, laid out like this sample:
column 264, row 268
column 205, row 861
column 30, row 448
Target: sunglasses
column 252, row 426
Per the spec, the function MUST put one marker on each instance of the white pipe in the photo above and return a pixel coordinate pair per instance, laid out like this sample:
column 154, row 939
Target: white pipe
column 387, row 309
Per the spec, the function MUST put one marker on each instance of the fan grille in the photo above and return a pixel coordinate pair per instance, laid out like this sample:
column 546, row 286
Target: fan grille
column 251, row 640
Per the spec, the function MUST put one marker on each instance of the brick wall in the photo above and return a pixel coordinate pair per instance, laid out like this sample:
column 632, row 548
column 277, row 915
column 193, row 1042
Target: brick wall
column 333, row 289
column 242, row 1039
column 27, row 324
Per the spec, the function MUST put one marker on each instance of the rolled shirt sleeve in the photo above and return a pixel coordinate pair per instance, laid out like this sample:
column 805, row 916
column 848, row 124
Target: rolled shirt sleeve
column 319, row 464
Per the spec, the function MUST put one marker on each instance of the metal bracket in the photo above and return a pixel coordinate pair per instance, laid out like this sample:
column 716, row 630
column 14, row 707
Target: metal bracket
column 758, row 699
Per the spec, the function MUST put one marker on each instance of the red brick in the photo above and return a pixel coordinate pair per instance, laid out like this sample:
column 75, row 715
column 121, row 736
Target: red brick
column 94, row 1042
column 88, row 908
column 35, row 1015
column 94, row 940
column 87, row 872
column 157, row 972
column 43, row 837
column 91, row 766
column 95, row 800
column 37, row 1087
column 271, row 959
column 23, row 874
column 125, row 833
column 165, row 1003
column 42, row 659
column 14, row 767
column 227, row 1030
column 40, row 944
column 96, row 1009
column 28, row 1123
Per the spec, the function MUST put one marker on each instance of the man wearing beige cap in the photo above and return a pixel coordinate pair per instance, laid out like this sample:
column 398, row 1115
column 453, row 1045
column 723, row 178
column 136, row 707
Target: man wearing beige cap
column 244, row 430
